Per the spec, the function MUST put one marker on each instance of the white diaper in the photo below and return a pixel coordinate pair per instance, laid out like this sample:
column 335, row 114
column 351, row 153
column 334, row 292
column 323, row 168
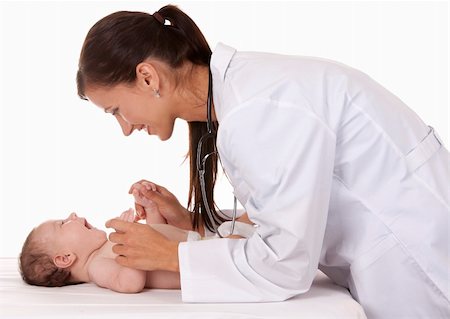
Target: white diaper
column 193, row 236
column 240, row 229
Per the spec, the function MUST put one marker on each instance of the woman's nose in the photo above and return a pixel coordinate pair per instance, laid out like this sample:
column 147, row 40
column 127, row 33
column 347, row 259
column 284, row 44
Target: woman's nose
column 127, row 128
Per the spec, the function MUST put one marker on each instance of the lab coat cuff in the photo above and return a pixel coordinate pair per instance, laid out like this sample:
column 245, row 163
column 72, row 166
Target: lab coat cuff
column 194, row 279
column 208, row 273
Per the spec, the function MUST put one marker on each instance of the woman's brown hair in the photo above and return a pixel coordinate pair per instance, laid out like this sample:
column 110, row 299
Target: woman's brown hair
column 116, row 44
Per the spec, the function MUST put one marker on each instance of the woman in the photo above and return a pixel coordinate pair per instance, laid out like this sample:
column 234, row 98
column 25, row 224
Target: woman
column 334, row 171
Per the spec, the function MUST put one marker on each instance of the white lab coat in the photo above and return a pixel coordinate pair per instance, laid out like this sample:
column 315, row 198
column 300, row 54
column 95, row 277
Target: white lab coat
column 338, row 174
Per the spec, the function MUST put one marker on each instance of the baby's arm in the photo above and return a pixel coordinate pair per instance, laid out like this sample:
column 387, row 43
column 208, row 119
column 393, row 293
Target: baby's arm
column 105, row 272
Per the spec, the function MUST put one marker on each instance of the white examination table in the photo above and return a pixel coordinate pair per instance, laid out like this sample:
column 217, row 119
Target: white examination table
column 18, row 300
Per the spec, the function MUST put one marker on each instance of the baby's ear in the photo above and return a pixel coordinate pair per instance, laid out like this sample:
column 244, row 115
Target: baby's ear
column 64, row 261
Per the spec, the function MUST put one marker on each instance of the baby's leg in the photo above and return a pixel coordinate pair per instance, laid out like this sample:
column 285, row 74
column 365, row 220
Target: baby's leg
column 171, row 232
column 163, row 279
column 152, row 214
column 244, row 219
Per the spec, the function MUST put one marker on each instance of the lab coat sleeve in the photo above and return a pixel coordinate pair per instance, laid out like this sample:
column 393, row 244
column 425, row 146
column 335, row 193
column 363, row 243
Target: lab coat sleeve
column 282, row 159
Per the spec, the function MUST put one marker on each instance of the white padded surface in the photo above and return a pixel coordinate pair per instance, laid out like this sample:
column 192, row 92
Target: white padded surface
column 19, row 300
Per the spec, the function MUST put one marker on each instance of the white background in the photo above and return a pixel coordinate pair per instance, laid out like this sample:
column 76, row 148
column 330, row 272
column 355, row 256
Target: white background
column 59, row 154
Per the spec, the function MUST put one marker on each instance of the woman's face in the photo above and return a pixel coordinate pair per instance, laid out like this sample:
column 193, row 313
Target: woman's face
column 135, row 108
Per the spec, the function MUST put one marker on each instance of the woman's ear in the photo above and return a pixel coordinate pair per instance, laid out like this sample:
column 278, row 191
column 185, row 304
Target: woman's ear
column 64, row 260
column 147, row 77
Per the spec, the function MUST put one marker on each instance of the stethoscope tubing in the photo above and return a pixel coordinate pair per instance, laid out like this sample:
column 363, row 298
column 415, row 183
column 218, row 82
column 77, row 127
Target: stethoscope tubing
column 201, row 163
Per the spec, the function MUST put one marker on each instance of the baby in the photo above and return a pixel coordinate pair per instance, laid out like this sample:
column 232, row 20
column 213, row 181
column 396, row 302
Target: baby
column 71, row 251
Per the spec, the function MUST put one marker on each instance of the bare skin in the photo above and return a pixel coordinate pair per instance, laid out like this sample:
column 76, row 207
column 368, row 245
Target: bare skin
column 156, row 99
column 141, row 247
column 76, row 245
column 153, row 102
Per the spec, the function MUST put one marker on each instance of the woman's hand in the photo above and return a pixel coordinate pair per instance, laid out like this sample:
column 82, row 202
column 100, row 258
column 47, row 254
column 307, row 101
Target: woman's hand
column 167, row 204
column 139, row 246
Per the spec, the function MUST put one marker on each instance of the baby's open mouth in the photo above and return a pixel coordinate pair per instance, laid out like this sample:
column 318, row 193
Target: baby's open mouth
column 87, row 225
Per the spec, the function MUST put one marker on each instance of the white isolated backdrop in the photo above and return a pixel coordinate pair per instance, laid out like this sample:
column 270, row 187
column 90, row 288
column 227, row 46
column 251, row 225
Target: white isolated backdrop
column 60, row 154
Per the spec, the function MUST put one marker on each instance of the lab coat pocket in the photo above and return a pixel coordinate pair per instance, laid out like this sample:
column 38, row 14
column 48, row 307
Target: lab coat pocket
column 420, row 154
column 365, row 272
column 389, row 283
column 371, row 256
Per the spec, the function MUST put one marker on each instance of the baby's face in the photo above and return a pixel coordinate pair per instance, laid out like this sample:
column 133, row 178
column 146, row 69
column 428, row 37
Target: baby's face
column 71, row 235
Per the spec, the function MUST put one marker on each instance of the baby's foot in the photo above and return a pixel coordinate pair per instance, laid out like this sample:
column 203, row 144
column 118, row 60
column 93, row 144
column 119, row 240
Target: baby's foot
column 142, row 200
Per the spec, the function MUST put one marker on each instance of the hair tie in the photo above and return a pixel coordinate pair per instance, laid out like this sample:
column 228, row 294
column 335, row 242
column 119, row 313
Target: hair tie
column 159, row 17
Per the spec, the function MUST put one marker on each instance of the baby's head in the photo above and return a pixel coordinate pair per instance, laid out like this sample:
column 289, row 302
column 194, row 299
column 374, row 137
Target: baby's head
column 55, row 247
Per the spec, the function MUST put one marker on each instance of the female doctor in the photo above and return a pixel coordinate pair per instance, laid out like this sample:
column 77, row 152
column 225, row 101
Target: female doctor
column 334, row 171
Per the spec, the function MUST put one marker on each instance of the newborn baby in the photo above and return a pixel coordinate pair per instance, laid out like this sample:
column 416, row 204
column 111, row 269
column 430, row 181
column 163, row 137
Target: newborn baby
column 71, row 251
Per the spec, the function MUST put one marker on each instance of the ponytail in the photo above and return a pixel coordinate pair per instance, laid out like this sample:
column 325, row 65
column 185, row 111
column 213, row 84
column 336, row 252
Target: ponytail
column 116, row 44
column 198, row 51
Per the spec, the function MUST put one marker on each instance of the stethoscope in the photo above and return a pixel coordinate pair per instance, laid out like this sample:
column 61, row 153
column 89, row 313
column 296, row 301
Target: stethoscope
column 211, row 134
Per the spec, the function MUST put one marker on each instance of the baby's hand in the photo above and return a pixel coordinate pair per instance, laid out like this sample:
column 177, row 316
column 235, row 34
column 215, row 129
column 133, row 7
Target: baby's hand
column 127, row 215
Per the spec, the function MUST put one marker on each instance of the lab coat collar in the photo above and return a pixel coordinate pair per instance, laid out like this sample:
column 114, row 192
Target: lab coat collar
column 220, row 59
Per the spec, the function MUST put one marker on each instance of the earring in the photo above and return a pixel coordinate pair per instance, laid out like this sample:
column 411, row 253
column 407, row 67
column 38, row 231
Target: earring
column 156, row 93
